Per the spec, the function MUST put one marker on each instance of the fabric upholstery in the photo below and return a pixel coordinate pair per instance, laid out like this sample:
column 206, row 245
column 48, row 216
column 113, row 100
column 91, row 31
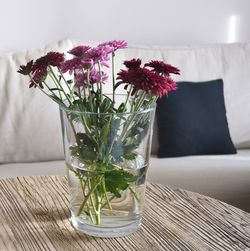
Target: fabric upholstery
column 29, row 121
column 192, row 121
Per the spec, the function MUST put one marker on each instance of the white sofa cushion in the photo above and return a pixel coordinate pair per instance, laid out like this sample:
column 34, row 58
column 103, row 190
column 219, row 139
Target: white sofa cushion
column 30, row 124
column 224, row 177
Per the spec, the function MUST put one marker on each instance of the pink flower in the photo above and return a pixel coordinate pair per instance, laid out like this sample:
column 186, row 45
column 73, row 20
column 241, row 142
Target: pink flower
column 79, row 51
column 76, row 64
column 39, row 68
column 94, row 77
column 162, row 68
column 116, row 44
column 99, row 53
column 97, row 77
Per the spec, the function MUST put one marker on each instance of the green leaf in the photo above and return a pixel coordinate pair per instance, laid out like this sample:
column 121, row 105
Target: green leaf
column 70, row 81
column 121, row 108
column 55, row 89
column 105, row 105
column 118, row 180
column 57, row 100
column 117, row 85
column 130, row 156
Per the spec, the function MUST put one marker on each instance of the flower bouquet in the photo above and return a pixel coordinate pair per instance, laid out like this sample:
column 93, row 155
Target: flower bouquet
column 107, row 137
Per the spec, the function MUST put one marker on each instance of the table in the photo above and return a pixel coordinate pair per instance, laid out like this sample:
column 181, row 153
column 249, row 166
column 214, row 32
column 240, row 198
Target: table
column 34, row 215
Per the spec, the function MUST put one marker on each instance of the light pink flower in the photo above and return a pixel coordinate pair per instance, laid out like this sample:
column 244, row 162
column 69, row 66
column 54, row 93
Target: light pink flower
column 116, row 44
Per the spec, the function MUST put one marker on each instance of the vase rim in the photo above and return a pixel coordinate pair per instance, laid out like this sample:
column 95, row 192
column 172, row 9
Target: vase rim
column 66, row 109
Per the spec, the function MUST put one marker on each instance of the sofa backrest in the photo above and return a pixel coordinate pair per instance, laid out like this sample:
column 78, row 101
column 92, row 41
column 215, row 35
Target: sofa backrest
column 29, row 122
column 231, row 62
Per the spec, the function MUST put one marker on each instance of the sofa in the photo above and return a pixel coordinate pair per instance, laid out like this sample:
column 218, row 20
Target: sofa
column 30, row 132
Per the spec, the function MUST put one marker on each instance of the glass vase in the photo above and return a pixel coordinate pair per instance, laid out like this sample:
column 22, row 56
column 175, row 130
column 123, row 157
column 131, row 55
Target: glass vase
column 107, row 157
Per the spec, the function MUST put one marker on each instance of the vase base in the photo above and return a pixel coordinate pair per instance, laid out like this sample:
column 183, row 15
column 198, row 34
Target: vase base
column 106, row 232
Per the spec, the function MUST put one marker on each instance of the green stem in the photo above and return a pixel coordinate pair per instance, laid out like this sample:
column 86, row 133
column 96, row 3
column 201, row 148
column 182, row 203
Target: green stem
column 134, row 193
column 99, row 68
column 113, row 75
column 72, row 94
column 59, row 84
column 128, row 95
column 106, row 195
column 108, row 201
column 88, row 196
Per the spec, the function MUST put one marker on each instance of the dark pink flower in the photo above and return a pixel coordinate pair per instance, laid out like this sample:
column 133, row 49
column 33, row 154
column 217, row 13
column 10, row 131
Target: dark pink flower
column 162, row 68
column 26, row 69
column 116, row 44
column 148, row 81
column 51, row 58
column 79, row 51
column 132, row 64
column 39, row 75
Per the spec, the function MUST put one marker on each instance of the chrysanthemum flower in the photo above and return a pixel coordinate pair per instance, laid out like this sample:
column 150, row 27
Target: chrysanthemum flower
column 132, row 64
column 26, row 69
column 79, row 51
column 94, row 77
column 51, row 58
column 99, row 54
column 75, row 64
column 162, row 68
column 146, row 80
column 116, row 44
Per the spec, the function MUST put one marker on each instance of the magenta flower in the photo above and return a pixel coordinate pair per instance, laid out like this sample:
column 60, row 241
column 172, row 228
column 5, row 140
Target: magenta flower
column 26, row 69
column 99, row 54
column 81, row 80
column 162, row 68
column 76, row 64
column 94, row 77
column 116, row 44
column 79, row 51
column 97, row 77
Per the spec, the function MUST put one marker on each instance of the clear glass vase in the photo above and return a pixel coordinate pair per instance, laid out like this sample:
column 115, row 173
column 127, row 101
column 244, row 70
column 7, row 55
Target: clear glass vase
column 107, row 156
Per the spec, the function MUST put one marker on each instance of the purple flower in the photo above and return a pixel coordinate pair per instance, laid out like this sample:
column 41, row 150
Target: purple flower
column 79, row 51
column 99, row 53
column 116, row 44
column 94, row 77
column 76, row 64
column 97, row 77
column 26, row 69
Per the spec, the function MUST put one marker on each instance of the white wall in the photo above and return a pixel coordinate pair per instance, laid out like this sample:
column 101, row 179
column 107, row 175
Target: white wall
column 31, row 23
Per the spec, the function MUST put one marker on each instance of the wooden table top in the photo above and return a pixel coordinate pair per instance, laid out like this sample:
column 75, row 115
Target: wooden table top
column 34, row 215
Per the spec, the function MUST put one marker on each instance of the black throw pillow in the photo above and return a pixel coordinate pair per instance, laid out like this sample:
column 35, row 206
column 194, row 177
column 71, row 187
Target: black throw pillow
column 192, row 121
